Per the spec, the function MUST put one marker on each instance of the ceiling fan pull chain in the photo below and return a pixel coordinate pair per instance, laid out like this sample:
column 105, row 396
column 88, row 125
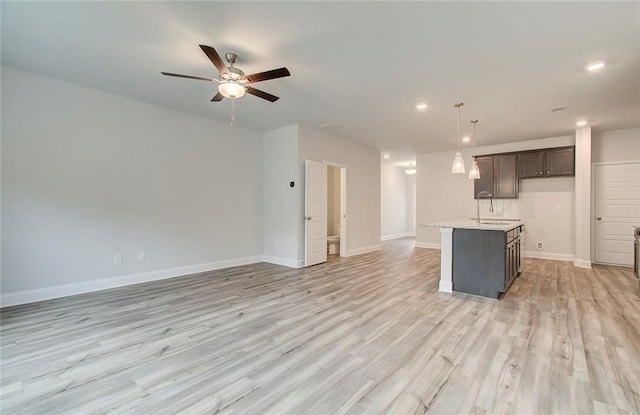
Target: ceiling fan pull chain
column 233, row 110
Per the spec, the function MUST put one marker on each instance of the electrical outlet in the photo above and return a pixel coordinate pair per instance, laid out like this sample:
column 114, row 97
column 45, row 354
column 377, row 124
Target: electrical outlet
column 141, row 256
column 539, row 245
column 117, row 259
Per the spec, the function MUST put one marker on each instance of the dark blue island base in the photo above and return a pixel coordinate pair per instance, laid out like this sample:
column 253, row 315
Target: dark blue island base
column 485, row 262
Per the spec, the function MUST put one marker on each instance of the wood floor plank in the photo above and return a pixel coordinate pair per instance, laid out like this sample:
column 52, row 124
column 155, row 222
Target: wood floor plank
column 359, row 335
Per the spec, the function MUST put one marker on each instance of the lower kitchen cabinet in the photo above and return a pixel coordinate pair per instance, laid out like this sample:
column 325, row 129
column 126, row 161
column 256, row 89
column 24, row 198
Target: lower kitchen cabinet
column 485, row 262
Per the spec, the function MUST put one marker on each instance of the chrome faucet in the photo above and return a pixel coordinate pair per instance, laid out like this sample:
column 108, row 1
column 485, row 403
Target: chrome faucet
column 483, row 193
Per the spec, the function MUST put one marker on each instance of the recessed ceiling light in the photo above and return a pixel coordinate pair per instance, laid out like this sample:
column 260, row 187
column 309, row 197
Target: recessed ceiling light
column 421, row 106
column 581, row 123
column 411, row 169
column 466, row 139
column 595, row 66
column 386, row 156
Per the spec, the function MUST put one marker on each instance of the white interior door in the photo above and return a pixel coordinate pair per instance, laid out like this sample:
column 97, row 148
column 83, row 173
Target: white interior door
column 617, row 193
column 315, row 213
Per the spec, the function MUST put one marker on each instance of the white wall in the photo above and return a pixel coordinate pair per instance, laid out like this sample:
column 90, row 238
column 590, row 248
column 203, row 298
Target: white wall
column 411, row 199
column 363, row 186
column 280, row 200
column 615, row 145
column 545, row 205
column 86, row 175
column 395, row 197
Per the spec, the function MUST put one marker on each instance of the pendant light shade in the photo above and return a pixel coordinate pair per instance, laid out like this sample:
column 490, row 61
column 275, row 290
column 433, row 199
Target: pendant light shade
column 474, row 171
column 458, row 161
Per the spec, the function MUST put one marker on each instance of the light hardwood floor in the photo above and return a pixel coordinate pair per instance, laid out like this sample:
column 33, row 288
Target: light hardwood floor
column 362, row 335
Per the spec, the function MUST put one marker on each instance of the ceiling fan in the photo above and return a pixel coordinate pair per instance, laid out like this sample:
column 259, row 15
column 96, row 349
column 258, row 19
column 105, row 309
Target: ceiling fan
column 232, row 82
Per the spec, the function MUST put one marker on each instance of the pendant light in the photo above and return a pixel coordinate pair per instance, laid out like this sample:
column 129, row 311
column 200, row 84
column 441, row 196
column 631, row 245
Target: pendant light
column 474, row 172
column 458, row 161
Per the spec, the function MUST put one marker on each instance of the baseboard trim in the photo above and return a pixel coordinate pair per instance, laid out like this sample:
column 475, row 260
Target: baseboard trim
column 396, row 236
column 48, row 293
column 582, row 263
column 548, row 255
column 285, row 262
column 445, row 287
column 363, row 250
column 429, row 245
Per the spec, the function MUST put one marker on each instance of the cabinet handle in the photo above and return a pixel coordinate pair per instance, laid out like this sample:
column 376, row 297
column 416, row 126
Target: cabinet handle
column 548, row 172
column 541, row 172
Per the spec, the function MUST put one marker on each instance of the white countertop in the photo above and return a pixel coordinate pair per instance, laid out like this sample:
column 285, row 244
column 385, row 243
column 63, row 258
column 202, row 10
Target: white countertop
column 487, row 224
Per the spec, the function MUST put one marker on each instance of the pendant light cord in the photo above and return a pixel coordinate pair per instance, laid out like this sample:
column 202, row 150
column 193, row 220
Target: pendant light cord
column 474, row 122
column 233, row 111
column 458, row 129
column 458, row 105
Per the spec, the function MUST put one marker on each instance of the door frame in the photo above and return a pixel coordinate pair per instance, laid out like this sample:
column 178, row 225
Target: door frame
column 593, row 200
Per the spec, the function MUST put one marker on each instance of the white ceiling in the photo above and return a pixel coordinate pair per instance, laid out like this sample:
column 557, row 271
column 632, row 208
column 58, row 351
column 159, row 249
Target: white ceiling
column 358, row 68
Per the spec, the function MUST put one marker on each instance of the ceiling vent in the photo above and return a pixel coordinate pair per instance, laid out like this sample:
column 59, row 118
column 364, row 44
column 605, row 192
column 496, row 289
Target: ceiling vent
column 334, row 128
column 558, row 109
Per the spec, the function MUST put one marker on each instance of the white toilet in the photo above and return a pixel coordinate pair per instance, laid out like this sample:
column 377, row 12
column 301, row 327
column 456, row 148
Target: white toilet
column 333, row 242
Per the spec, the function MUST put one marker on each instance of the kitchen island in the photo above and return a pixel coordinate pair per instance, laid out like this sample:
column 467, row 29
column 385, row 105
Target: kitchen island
column 481, row 258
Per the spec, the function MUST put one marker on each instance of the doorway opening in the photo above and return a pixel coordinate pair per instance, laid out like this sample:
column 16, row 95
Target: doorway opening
column 336, row 212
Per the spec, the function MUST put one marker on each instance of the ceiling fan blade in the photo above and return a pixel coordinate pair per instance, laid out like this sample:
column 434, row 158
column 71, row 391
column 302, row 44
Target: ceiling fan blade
column 261, row 94
column 217, row 97
column 215, row 58
column 185, row 76
column 265, row 76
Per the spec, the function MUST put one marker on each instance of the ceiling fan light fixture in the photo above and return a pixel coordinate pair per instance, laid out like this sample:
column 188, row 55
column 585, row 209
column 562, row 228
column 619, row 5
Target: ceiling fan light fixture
column 231, row 89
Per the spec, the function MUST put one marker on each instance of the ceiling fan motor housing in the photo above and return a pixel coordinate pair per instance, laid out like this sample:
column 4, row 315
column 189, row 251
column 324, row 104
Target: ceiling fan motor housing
column 233, row 74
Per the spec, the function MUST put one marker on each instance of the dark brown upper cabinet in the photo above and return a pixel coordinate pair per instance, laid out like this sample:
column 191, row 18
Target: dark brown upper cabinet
column 485, row 182
column 549, row 162
column 498, row 176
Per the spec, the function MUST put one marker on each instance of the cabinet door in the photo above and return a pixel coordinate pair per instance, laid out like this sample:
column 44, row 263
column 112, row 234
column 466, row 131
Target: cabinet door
column 505, row 176
column 531, row 164
column 485, row 182
column 518, row 255
column 560, row 161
